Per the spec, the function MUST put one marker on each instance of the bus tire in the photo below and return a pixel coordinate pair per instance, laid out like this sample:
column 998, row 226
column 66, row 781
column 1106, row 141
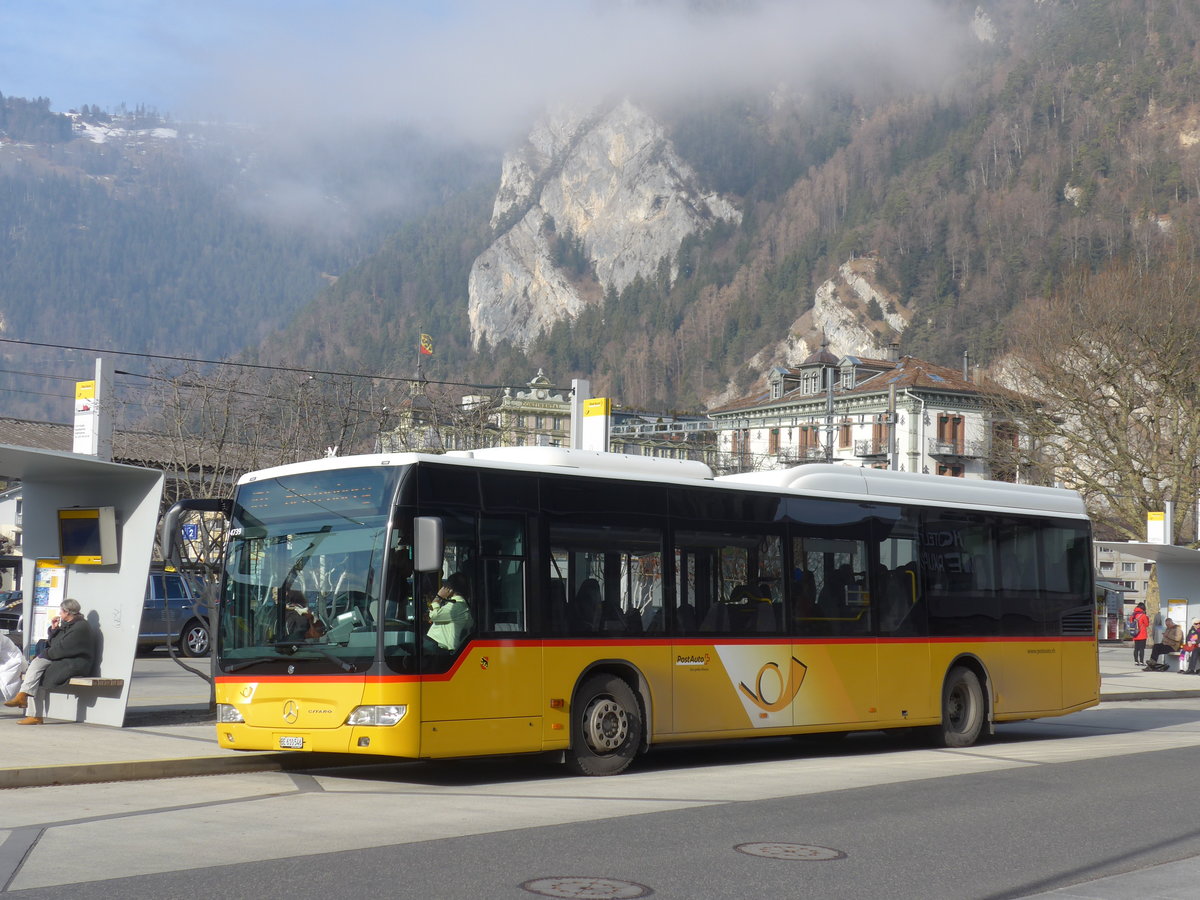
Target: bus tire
column 606, row 727
column 962, row 709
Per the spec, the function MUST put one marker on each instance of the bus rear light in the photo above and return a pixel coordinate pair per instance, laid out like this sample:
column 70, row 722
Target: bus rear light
column 376, row 715
column 228, row 713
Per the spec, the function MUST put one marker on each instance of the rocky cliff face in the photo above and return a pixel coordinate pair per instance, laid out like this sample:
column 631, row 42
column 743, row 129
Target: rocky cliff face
column 855, row 315
column 851, row 313
column 609, row 181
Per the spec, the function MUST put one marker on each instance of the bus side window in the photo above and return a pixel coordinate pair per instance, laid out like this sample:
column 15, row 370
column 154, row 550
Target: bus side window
column 502, row 545
column 606, row 579
column 505, row 593
column 830, row 585
column 893, row 583
column 729, row 583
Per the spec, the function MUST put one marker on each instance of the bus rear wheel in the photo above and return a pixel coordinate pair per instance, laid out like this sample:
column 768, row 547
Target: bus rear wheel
column 606, row 727
column 962, row 709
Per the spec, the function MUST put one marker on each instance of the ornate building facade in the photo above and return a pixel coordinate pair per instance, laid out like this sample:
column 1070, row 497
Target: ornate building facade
column 904, row 414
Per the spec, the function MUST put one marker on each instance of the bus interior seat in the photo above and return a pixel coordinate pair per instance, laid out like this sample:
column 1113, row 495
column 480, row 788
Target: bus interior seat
column 611, row 618
column 765, row 621
column 685, row 618
column 586, row 607
column 557, row 608
column 391, row 610
column 741, row 594
column 264, row 623
column 716, row 619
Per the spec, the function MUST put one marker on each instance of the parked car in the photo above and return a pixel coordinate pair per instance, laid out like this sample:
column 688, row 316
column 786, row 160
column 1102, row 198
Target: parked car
column 170, row 615
column 10, row 610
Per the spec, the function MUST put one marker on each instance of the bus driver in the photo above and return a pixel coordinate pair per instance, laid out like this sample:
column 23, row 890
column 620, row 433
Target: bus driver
column 449, row 616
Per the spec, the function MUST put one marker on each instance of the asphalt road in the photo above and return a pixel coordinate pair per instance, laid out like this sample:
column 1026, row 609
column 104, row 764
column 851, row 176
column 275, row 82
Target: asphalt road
column 1043, row 805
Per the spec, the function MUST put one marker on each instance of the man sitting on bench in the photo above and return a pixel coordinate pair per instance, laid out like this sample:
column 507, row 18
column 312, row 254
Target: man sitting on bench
column 1171, row 642
column 67, row 651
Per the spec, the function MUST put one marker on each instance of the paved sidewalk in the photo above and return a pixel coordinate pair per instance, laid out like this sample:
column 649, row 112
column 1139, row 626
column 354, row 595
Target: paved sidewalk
column 1120, row 679
column 170, row 732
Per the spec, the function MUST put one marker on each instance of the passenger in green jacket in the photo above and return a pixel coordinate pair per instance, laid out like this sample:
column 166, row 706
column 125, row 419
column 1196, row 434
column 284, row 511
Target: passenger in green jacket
column 449, row 616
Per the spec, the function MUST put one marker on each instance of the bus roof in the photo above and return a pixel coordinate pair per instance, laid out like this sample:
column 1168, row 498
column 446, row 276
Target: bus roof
column 910, row 487
column 821, row 479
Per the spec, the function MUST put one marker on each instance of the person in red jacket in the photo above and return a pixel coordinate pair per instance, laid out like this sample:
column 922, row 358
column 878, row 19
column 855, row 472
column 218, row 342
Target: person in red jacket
column 1142, row 621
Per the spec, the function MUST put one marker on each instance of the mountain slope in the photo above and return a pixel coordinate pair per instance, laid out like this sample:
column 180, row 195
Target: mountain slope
column 1070, row 137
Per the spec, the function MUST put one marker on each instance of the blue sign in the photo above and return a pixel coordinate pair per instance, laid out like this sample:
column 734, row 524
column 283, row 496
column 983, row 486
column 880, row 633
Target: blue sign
column 191, row 532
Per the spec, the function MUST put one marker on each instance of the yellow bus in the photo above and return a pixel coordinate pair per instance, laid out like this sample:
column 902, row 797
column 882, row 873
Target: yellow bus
column 525, row 600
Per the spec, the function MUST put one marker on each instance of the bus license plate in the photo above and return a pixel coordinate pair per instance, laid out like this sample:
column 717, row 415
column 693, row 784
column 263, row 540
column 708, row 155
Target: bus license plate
column 291, row 742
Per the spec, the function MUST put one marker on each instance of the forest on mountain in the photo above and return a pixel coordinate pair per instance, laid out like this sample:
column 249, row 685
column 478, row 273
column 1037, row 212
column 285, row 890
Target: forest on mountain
column 181, row 244
column 1068, row 140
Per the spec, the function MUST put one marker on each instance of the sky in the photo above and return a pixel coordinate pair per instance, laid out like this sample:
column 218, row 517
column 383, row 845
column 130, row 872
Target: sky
column 475, row 69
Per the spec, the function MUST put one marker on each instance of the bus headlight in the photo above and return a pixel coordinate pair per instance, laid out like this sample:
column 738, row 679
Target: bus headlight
column 376, row 715
column 227, row 712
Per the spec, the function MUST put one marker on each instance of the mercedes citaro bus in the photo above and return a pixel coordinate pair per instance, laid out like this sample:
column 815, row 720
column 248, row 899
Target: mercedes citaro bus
column 597, row 604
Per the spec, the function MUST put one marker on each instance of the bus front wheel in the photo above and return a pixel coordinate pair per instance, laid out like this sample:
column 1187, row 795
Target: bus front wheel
column 606, row 727
column 962, row 709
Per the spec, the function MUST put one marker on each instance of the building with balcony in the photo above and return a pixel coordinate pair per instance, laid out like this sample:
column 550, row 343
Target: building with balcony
column 905, row 414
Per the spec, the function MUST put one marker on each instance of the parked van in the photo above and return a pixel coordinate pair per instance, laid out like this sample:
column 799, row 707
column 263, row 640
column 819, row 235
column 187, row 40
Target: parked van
column 169, row 615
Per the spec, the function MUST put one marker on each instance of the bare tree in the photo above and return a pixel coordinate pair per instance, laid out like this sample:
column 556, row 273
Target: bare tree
column 1114, row 364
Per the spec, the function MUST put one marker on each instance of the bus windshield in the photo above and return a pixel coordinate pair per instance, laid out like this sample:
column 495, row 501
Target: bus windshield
column 304, row 569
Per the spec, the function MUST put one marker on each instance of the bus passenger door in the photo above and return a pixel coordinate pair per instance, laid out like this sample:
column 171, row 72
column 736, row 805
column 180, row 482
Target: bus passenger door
column 833, row 614
column 732, row 664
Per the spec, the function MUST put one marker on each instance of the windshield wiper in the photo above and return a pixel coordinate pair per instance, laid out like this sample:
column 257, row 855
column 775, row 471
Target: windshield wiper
column 245, row 664
column 296, row 647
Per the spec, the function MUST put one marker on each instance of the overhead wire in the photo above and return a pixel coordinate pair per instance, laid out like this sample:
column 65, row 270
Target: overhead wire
column 248, row 365
column 516, row 430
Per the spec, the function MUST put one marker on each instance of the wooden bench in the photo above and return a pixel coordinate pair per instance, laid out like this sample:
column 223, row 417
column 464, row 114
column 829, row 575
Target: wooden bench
column 96, row 682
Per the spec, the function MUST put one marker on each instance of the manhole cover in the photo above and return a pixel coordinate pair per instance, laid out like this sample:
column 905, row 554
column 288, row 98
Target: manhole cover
column 773, row 850
column 587, row 888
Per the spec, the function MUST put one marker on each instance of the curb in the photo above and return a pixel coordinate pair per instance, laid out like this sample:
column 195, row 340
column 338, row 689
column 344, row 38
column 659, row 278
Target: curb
column 141, row 770
column 1148, row 695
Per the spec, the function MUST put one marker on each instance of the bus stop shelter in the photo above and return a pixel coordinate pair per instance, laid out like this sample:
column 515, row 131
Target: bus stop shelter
column 111, row 595
column 1178, row 573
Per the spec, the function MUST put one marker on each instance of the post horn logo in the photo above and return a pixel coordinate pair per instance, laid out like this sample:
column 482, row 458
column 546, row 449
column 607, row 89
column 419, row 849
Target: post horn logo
column 787, row 689
column 291, row 712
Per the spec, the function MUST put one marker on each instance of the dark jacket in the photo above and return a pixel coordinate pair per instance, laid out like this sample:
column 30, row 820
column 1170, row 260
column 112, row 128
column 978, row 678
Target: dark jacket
column 72, row 650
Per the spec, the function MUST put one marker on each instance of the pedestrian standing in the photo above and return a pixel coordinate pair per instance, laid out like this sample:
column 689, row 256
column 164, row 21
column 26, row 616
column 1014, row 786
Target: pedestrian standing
column 1140, row 627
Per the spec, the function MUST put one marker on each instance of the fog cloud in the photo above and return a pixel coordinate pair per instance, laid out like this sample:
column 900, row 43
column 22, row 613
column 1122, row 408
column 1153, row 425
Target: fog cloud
column 480, row 70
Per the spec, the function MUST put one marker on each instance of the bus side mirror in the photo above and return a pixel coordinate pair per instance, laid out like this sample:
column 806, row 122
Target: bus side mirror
column 168, row 535
column 427, row 544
